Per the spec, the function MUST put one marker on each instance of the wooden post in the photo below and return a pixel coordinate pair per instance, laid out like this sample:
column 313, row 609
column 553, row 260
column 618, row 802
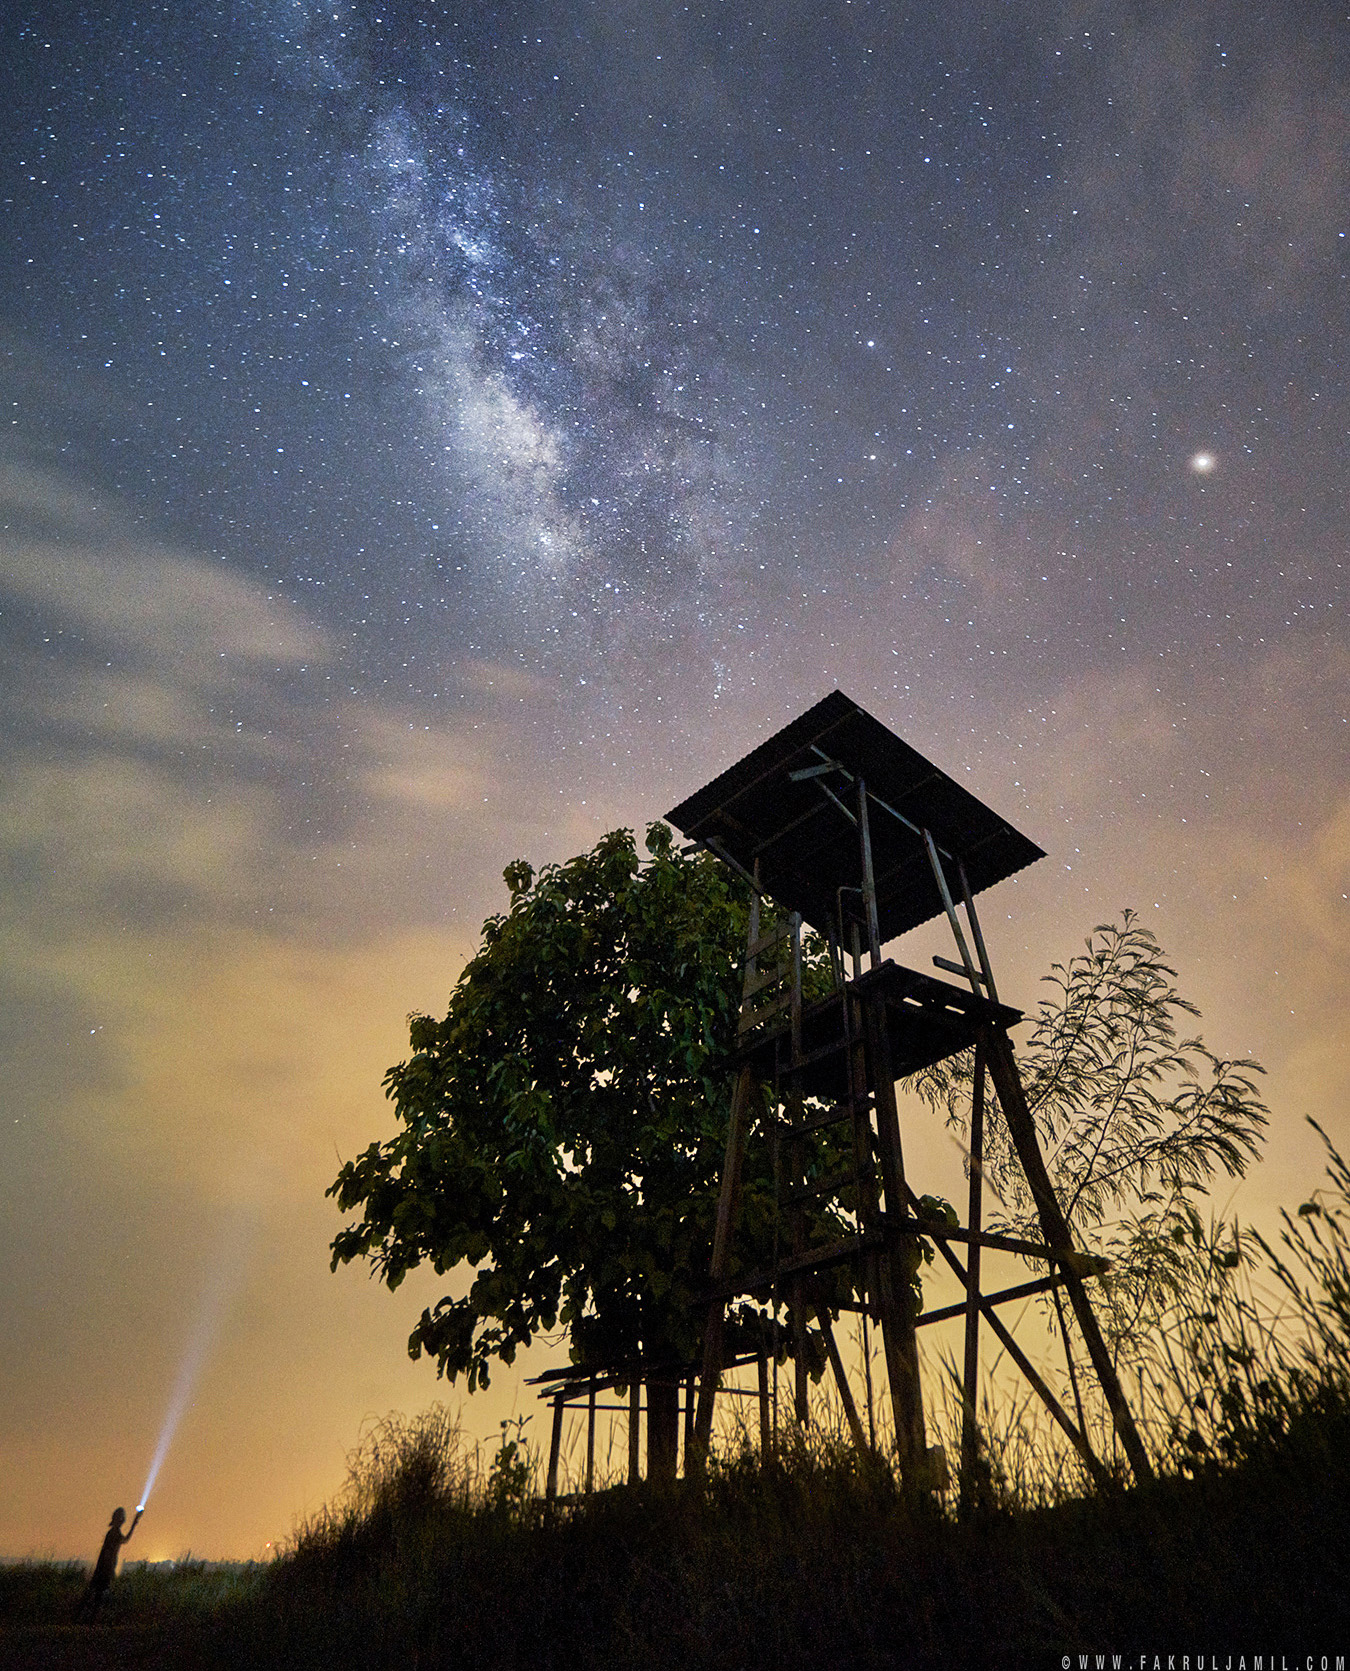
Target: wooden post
column 986, row 968
column 727, row 1203
column 801, row 1384
column 796, row 1222
column 864, row 1168
column 590, row 1439
column 688, row 1419
column 555, row 1445
column 895, row 1302
column 663, row 1427
column 867, row 1377
column 634, row 1429
column 765, row 1429
column 970, row 1440
column 953, row 920
column 869, row 884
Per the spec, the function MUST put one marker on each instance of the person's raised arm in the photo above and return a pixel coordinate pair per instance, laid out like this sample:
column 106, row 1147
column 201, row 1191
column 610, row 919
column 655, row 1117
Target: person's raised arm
column 126, row 1536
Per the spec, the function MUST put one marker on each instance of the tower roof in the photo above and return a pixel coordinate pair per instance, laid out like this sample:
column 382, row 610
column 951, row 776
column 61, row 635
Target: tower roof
column 791, row 805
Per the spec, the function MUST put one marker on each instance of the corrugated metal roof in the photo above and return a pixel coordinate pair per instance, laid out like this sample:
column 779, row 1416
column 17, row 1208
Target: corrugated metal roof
column 808, row 848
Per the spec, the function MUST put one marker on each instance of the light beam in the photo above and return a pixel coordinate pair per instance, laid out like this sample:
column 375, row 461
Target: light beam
column 217, row 1296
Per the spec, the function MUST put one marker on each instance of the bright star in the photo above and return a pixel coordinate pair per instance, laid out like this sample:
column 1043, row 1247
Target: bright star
column 1203, row 463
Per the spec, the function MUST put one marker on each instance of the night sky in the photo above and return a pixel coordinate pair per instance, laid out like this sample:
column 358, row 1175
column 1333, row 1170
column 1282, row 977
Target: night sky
column 438, row 434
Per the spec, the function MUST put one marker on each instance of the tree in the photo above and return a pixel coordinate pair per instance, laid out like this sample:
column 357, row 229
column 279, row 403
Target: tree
column 563, row 1128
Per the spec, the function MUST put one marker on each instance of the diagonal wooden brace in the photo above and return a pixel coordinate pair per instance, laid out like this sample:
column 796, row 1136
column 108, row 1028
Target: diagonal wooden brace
column 1055, row 1228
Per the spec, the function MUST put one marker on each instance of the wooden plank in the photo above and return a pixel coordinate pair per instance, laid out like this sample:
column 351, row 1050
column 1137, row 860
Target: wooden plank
column 766, row 1012
column 813, row 1259
column 820, row 1187
column 967, row 965
column 573, row 1380
column 819, row 1054
column 826, row 790
column 832, row 1116
column 827, row 1254
column 986, row 968
column 1070, row 1259
column 869, row 880
column 762, row 981
column 767, row 942
column 1052, row 1404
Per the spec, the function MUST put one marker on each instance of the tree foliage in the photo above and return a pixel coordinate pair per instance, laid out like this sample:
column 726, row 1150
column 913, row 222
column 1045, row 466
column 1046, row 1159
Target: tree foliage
column 562, row 1129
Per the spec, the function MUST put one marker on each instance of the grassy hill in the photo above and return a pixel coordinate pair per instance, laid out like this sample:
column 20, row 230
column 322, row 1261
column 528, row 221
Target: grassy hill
column 1237, row 1555
column 818, row 1562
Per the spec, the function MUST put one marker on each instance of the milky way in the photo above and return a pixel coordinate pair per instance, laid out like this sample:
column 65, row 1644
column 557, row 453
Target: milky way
column 437, row 433
column 495, row 318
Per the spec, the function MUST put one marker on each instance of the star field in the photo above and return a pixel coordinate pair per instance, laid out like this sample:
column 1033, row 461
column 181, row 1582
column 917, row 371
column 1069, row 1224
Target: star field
column 570, row 342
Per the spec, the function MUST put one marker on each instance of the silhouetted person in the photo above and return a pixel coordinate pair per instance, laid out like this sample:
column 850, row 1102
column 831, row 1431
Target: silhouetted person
column 105, row 1567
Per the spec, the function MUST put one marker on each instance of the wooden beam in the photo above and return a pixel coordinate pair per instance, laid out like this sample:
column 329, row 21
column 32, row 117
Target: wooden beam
column 970, row 1442
column 869, row 880
column 940, row 878
column 986, row 967
column 855, row 1247
column 727, row 1204
column 590, row 1439
column 555, row 1445
column 841, row 1379
column 1022, row 1127
column 894, row 1302
column 1005, row 1296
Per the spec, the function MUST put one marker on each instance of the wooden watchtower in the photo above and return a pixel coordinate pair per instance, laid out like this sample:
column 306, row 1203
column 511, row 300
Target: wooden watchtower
column 837, row 824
